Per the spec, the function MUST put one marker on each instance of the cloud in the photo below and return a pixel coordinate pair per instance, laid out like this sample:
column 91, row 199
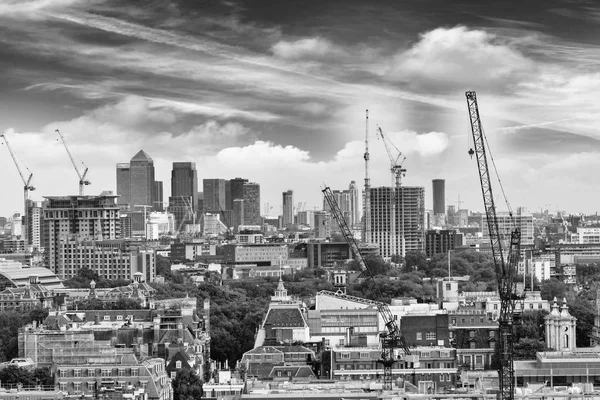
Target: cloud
column 424, row 144
column 448, row 58
column 31, row 8
column 314, row 48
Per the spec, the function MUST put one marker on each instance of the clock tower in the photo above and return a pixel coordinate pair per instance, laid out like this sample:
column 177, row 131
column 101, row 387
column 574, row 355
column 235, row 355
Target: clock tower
column 560, row 328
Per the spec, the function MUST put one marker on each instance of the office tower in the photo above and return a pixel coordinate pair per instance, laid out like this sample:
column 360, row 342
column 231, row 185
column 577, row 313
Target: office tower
column 238, row 214
column 410, row 210
column 288, row 208
column 123, row 185
column 252, row 204
column 355, row 196
column 141, row 170
column 452, row 216
column 157, row 197
column 439, row 196
column 200, row 202
column 236, row 191
column 77, row 218
column 343, row 199
column 214, row 195
column 183, row 202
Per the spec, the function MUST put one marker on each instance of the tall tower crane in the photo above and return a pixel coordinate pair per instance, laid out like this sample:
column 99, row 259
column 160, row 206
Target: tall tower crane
column 27, row 187
column 398, row 171
column 505, row 268
column 82, row 181
column 393, row 338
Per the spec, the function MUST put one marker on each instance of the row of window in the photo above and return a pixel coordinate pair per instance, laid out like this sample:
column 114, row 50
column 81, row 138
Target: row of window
column 428, row 336
column 78, row 372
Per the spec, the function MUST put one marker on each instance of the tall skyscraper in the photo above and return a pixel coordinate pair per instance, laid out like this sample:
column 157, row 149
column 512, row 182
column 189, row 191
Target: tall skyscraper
column 158, row 196
column 123, row 185
column 288, row 208
column 252, row 204
column 214, row 195
column 238, row 213
column 236, row 191
column 35, row 220
column 355, row 196
column 141, row 169
column 348, row 204
column 68, row 218
column 322, row 224
column 184, row 192
column 410, row 210
column 135, row 182
column 439, row 196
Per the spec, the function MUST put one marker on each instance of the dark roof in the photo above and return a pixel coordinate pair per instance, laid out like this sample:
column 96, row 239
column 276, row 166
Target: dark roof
column 264, row 350
column 298, row 371
column 294, row 349
column 285, row 317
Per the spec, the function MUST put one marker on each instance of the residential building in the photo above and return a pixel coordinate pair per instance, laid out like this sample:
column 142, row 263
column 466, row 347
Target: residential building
column 182, row 252
column 507, row 223
column 264, row 254
column 77, row 218
column 306, row 218
column 474, row 335
column 276, row 363
column 288, row 208
column 214, row 195
column 34, row 222
column 236, row 191
column 355, row 206
column 252, row 204
column 322, row 224
column 410, row 214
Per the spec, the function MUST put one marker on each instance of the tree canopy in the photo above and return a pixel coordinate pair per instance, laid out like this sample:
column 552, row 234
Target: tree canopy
column 187, row 385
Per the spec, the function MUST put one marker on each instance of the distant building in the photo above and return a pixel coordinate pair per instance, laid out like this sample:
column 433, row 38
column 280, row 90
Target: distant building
column 123, row 185
column 238, row 213
column 135, row 181
column 157, row 198
column 183, row 201
column 35, row 218
column 77, row 218
column 439, row 196
column 355, row 207
column 214, row 195
column 322, row 224
column 252, row 204
column 327, row 254
column 236, row 191
column 507, row 223
column 410, row 211
column 439, row 241
column 288, row 208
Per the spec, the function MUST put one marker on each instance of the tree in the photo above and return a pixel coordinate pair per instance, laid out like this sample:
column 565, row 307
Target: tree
column 527, row 348
column 187, row 385
column 582, row 309
column 415, row 261
column 554, row 288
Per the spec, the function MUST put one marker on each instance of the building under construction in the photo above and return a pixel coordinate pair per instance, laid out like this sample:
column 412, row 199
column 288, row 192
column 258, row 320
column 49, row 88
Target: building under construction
column 409, row 221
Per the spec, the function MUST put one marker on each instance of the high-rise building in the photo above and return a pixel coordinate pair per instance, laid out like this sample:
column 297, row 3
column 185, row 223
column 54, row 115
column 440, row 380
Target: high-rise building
column 410, row 214
column 183, row 201
column 77, row 218
column 157, row 197
column 214, row 195
column 236, row 191
column 439, row 196
column 507, row 223
column 238, row 213
column 123, row 185
column 322, row 224
column 288, row 208
column 252, row 204
column 141, row 169
column 355, row 196
column 34, row 224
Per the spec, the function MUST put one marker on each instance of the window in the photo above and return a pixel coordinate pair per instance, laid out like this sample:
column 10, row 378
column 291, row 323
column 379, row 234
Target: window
column 77, row 373
column 106, row 372
column 341, row 342
column 63, row 386
column 121, row 371
column 442, row 378
column 531, row 306
column 91, row 385
column 425, row 354
column 178, row 364
column 62, row 373
column 173, row 375
column 134, row 372
column 471, row 334
column 106, row 318
column 364, row 355
column 495, row 306
column 472, row 320
column 448, row 287
column 91, row 372
column 453, row 321
column 472, row 345
column 278, row 373
column 419, row 336
column 492, row 334
column 119, row 318
column 344, row 355
column 77, row 386
column 327, row 342
column 430, row 336
column 444, row 354
column 481, row 320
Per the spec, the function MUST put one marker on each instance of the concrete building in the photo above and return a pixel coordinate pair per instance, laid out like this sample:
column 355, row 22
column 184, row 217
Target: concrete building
column 322, row 224
column 355, row 206
column 288, row 208
column 506, row 224
column 410, row 212
column 252, row 204
column 123, row 185
column 264, row 254
column 306, row 218
column 238, row 213
column 439, row 241
column 344, row 200
column 35, row 218
column 214, row 195
column 77, row 218
column 439, row 196
column 182, row 252
column 327, row 254
column 110, row 259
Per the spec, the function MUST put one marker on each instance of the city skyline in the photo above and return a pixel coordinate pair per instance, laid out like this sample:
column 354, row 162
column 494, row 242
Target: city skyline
column 279, row 97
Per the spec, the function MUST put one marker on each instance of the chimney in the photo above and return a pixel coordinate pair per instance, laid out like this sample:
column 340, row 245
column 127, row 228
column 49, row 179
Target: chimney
column 96, row 319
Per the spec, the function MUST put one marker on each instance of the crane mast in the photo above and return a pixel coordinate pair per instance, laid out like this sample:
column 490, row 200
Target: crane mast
column 27, row 187
column 392, row 339
column 505, row 269
column 366, row 228
column 82, row 181
column 398, row 171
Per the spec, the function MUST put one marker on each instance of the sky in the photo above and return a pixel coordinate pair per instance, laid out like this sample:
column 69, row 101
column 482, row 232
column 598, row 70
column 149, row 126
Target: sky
column 276, row 92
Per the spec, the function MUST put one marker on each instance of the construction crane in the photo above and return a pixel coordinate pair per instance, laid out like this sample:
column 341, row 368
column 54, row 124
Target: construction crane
column 366, row 225
column 27, row 187
column 392, row 339
column 82, row 181
column 398, row 171
column 505, row 268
